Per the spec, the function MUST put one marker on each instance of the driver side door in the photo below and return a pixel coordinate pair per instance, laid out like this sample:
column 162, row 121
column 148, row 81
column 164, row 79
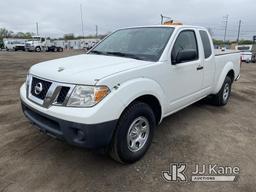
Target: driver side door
column 185, row 74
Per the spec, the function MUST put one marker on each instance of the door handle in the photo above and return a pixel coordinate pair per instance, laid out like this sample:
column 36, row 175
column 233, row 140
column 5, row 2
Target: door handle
column 199, row 68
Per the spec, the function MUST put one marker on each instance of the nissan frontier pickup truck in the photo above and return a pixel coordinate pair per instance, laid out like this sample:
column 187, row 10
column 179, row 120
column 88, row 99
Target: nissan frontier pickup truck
column 115, row 95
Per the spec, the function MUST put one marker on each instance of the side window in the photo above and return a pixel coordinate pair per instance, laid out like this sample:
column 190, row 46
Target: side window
column 206, row 44
column 43, row 40
column 185, row 48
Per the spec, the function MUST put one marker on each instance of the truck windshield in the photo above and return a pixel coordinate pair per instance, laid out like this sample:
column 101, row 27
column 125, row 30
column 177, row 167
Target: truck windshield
column 146, row 43
column 36, row 39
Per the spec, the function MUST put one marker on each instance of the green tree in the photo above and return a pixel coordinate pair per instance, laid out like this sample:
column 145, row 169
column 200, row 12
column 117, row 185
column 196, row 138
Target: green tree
column 69, row 36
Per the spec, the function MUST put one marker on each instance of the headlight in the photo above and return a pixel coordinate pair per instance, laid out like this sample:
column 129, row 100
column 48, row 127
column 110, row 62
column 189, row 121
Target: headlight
column 87, row 96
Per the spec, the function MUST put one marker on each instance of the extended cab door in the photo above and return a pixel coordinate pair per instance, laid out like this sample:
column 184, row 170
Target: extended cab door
column 186, row 70
column 208, row 61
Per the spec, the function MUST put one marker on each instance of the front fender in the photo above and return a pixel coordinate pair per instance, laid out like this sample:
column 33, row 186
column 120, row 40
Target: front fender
column 128, row 91
column 220, row 79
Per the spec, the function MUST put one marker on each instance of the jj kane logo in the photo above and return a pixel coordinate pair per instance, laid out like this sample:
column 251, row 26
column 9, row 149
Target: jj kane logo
column 181, row 172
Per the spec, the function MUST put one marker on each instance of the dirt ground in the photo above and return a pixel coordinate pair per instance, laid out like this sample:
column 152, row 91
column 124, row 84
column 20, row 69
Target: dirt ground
column 201, row 133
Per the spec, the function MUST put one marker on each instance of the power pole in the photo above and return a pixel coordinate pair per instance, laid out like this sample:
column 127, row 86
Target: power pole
column 239, row 30
column 82, row 20
column 37, row 33
column 226, row 27
column 96, row 34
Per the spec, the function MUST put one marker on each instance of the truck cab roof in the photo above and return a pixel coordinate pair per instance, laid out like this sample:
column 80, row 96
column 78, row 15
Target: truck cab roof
column 168, row 26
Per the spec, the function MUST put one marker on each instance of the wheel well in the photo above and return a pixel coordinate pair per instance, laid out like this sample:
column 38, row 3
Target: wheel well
column 231, row 74
column 153, row 102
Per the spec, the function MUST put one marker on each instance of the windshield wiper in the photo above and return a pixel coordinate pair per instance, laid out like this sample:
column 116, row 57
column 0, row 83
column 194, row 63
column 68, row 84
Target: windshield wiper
column 98, row 52
column 120, row 54
column 124, row 55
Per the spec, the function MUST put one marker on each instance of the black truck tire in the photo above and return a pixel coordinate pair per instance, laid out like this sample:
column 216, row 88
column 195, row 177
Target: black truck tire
column 222, row 97
column 134, row 133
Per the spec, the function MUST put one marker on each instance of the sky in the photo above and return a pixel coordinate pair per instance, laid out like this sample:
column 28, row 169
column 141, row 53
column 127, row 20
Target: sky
column 59, row 17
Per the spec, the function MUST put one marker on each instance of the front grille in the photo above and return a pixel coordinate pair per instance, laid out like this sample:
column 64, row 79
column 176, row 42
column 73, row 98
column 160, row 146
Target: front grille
column 62, row 95
column 45, row 87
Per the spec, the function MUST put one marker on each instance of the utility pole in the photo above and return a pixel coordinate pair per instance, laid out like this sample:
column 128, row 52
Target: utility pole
column 226, row 27
column 239, row 30
column 37, row 33
column 96, row 34
column 82, row 20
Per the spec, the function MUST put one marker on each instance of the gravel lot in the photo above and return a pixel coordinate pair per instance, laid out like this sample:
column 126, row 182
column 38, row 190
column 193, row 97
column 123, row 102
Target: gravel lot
column 201, row 133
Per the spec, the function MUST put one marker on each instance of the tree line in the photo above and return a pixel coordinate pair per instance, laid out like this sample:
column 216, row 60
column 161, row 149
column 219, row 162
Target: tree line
column 4, row 33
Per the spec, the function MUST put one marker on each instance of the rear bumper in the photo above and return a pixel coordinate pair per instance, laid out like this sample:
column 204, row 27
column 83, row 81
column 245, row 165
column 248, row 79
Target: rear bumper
column 83, row 135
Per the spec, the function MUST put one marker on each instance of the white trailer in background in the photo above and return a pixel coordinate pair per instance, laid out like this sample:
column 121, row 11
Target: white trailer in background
column 86, row 44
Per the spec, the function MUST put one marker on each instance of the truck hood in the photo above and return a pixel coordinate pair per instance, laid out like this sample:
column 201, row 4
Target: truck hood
column 84, row 69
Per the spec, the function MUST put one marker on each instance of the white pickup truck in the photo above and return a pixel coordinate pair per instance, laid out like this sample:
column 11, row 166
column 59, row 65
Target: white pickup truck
column 114, row 96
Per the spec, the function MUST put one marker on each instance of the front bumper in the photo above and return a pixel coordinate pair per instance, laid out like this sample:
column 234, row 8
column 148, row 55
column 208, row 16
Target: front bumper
column 30, row 48
column 83, row 135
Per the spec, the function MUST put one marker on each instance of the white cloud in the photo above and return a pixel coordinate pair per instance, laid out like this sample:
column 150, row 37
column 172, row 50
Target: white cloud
column 63, row 16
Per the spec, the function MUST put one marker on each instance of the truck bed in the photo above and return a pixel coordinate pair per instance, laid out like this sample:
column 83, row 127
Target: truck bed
column 224, row 58
column 219, row 52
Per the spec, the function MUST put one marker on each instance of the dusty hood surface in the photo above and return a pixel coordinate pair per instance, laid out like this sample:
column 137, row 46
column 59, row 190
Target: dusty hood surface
column 84, row 69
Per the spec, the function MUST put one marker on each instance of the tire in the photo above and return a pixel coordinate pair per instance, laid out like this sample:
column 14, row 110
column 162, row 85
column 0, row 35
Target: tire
column 37, row 49
column 223, row 96
column 122, row 149
column 60, row 49
column 55, row 49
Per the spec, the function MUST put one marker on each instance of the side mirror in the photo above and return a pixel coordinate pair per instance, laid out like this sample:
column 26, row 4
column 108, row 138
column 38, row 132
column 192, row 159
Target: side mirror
column 185, row 55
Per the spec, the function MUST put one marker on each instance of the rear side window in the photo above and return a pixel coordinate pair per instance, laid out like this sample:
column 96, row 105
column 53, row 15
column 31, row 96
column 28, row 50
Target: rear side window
column 206, row 44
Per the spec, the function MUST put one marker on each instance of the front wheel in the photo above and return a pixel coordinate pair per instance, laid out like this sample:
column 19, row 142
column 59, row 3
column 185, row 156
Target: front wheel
column 133, row 134
column 60, row 49
column 223, row 96
column 38, row 49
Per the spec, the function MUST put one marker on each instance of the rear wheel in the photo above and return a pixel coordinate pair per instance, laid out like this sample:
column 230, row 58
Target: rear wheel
column 133, row 134
column 223, row 96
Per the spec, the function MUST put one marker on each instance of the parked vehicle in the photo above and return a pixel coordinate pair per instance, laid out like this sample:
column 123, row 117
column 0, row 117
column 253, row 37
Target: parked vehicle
column 38, row 44
column 89, row 45
column 1, row 44
column 246, row 52
column 14, row 45
column 114, row 96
